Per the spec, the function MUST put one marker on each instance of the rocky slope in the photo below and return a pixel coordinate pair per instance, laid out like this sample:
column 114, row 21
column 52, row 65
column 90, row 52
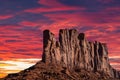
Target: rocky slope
column 73, row 57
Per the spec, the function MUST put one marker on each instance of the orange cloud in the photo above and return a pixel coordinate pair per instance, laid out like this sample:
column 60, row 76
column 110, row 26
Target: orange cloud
column 15, row 65
column 2, row 74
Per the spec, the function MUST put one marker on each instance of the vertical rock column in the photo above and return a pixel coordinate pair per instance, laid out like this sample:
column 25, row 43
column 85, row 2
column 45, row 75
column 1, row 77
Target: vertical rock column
column 69, row 48
column 101, row 57
column 87, row 53
column 51, row 53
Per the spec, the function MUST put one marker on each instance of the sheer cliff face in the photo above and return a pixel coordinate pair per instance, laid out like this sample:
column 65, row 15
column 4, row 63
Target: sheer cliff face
column 75, row 52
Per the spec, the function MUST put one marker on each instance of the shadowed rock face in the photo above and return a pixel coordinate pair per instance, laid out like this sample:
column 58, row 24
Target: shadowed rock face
column 71, row 54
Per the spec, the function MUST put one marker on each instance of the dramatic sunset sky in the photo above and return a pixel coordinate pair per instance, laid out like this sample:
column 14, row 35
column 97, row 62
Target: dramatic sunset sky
column 22, row 23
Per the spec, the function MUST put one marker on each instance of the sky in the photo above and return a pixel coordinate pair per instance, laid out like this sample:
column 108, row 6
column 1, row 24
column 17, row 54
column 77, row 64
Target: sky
column 22, row 23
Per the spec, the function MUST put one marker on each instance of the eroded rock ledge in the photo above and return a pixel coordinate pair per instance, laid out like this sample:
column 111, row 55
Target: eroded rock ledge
column 75, row 52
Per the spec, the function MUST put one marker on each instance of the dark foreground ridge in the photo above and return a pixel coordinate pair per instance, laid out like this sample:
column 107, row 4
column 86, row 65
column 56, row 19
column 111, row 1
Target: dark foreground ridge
column 73, row 57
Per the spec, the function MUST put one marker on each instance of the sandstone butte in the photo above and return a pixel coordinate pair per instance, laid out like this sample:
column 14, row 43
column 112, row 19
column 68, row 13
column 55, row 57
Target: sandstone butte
column 72, row 57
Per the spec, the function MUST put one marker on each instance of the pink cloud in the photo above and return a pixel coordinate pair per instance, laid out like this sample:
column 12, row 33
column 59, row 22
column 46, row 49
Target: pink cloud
column 28, row 23
column 2, row 17
column 19, row 44
column 50, row 3
column 52, row 6
column 52, row 9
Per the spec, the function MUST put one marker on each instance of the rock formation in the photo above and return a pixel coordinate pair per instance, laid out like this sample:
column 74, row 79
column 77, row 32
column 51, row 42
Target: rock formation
column 70, row 55
column 74, row 51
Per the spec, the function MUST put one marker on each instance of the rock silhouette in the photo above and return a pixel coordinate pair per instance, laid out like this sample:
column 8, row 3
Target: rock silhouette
column 72, row 57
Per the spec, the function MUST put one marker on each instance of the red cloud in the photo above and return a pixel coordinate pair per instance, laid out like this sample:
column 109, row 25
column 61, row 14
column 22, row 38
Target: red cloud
column 28, row 23
column 52, row 9
column 52, row 6
column 16, row 45
column 50, row 3
column 2, row 17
